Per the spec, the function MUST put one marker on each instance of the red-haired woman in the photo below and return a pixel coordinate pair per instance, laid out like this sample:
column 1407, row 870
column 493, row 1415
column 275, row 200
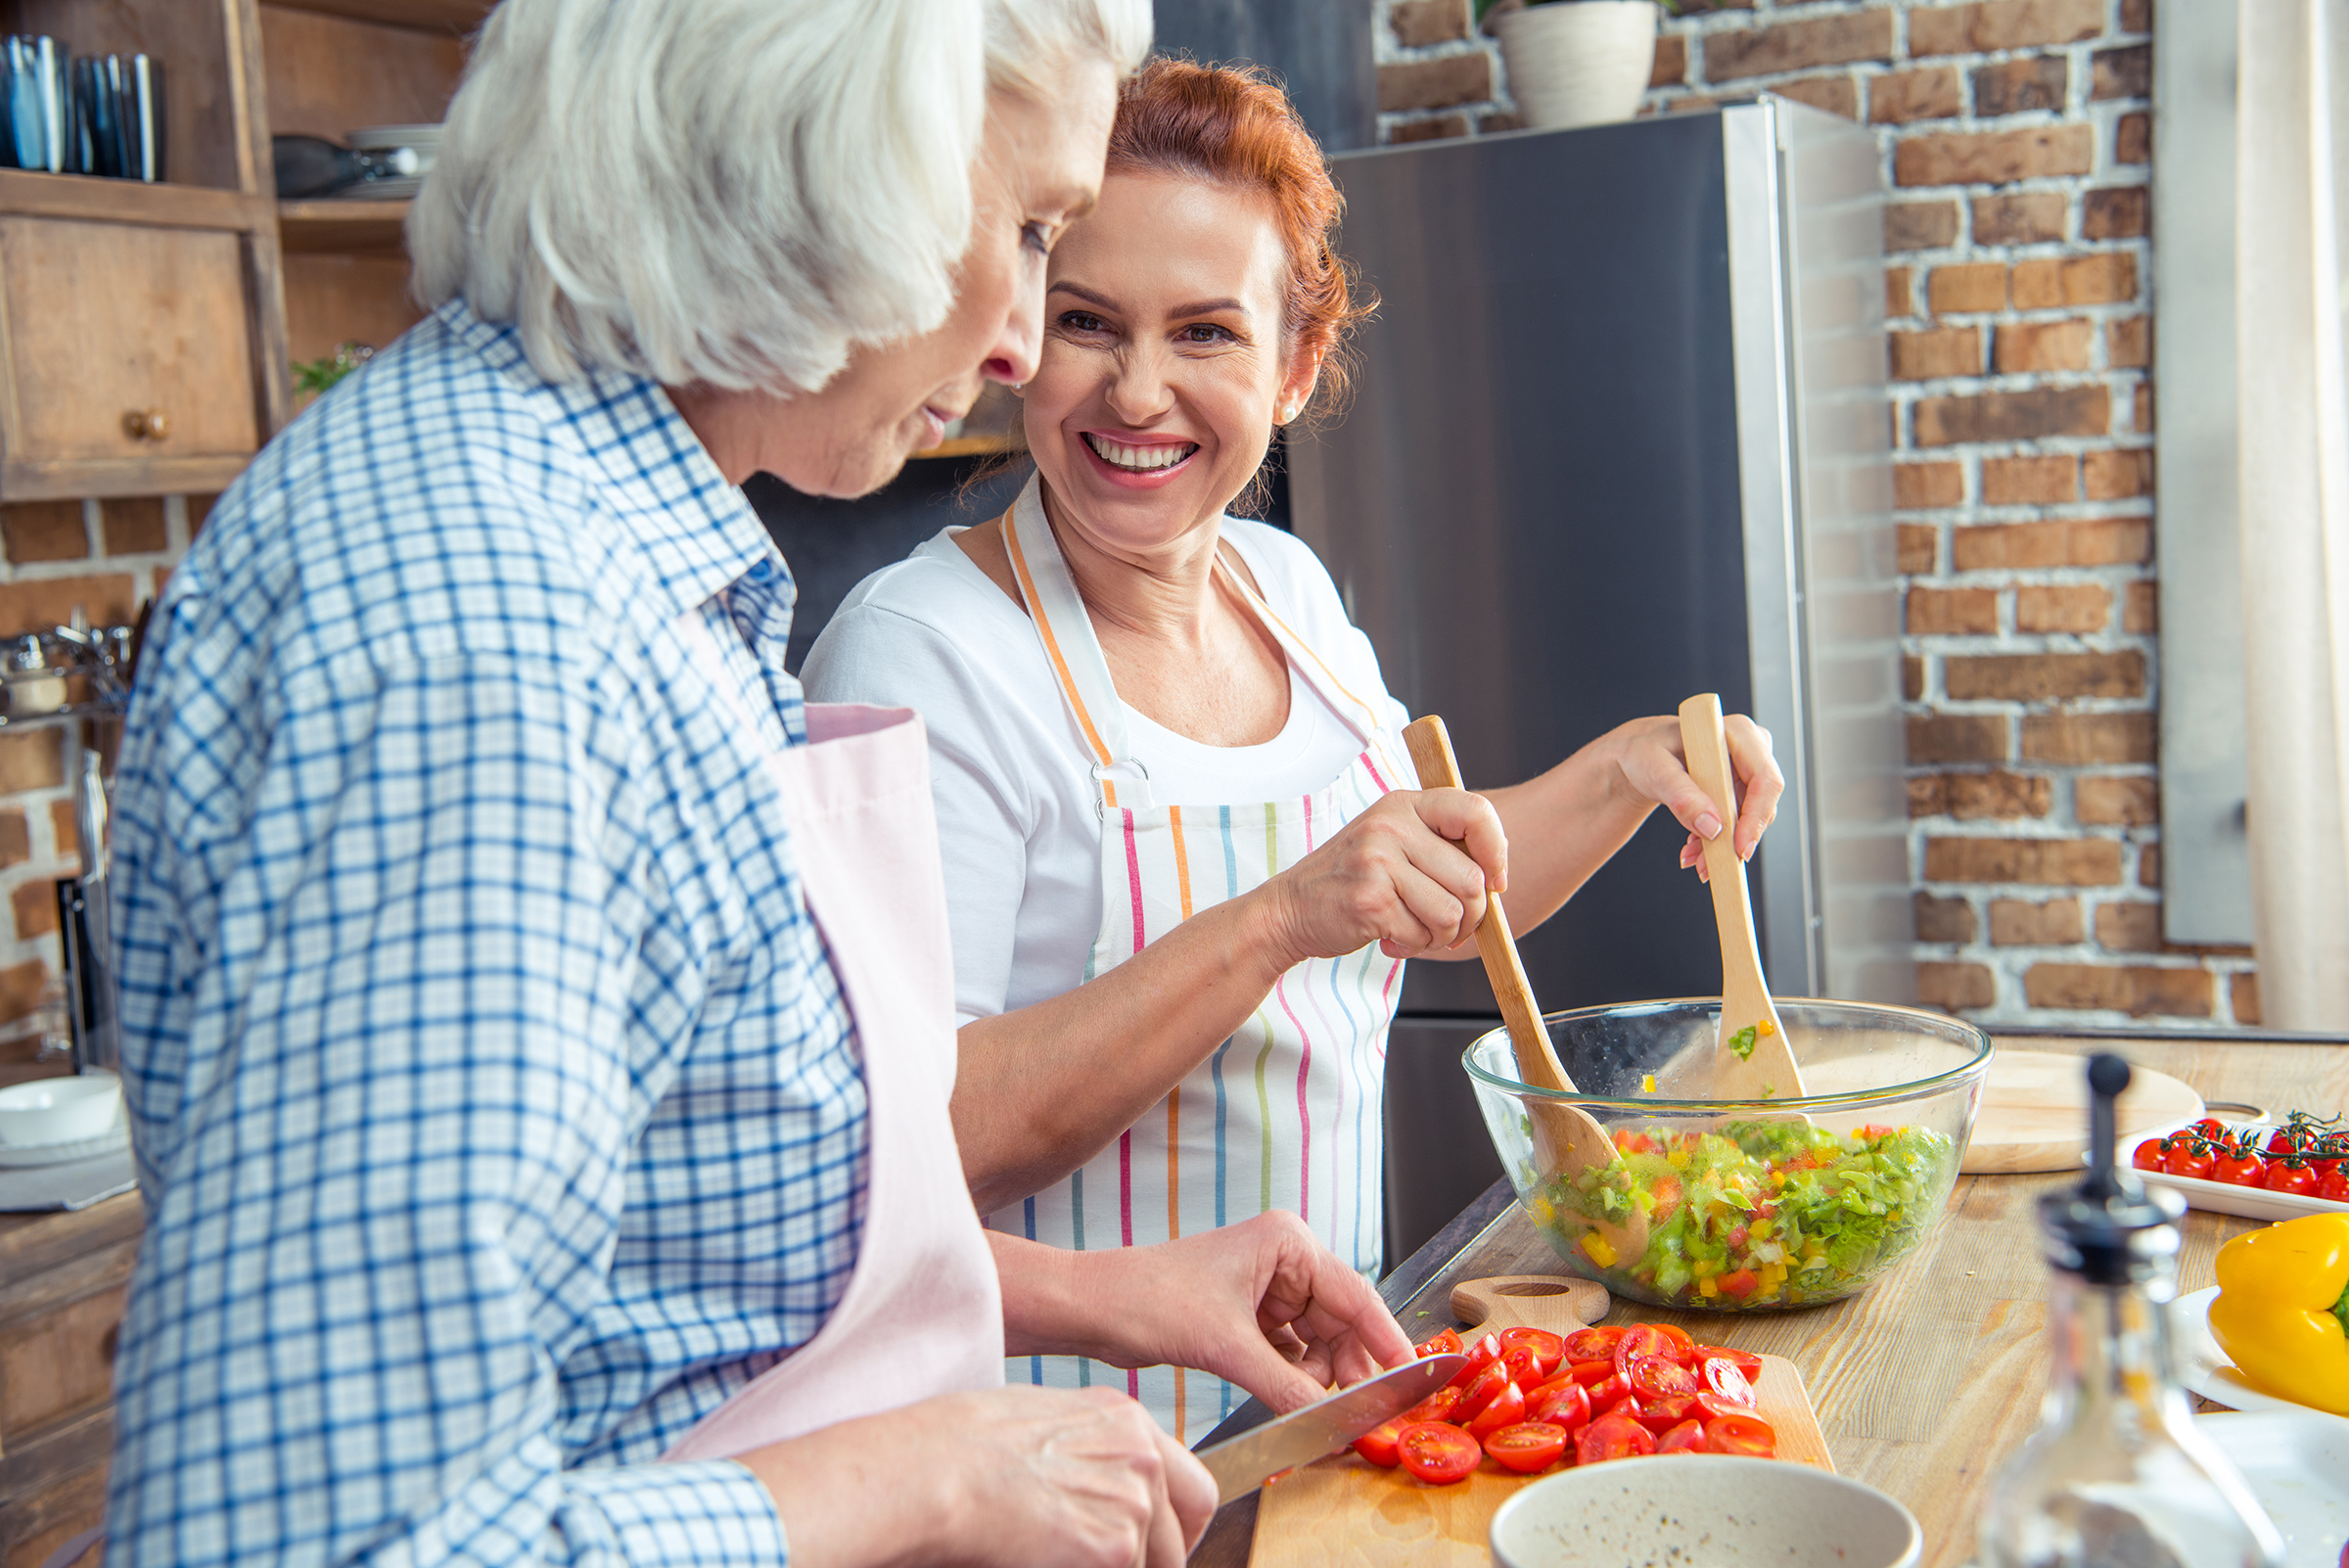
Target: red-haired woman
column 1182, row 857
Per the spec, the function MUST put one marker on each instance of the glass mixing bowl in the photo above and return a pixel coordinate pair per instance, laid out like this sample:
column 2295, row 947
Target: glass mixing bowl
column 1751, row 1205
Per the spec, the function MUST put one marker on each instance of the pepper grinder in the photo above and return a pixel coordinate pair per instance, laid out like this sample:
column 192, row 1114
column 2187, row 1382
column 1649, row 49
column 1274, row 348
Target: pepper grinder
column 2117, row 1476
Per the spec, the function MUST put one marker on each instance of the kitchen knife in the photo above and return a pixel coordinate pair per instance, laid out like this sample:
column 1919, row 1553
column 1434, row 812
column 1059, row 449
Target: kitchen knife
column 1327, row 1425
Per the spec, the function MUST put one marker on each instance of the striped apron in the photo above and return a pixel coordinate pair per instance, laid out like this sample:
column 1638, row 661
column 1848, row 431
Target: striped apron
column 1286, row 1114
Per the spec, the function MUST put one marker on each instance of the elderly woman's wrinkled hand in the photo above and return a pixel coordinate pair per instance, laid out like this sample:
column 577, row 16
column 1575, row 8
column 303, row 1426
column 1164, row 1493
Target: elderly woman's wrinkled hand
column 1654, row 767
column 1260, row 1302
column 1409, row 874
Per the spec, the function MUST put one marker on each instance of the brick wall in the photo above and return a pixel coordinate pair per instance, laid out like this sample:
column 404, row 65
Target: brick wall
column 2016, row 145
column 109, row 558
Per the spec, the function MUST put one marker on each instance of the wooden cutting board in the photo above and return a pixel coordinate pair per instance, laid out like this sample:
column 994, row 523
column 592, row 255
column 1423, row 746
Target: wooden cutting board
column 2035, row 1112
column 1344, row 1510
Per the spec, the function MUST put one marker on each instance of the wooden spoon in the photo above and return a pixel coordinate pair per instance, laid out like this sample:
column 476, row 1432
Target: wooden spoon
column 1751, row 1060
column 1566, row 1137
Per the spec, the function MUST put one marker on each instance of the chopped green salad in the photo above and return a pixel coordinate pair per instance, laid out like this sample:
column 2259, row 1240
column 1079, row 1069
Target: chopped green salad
column 1754, row 1213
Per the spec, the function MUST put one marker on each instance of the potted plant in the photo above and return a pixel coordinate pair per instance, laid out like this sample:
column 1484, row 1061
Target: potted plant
column 1575, row 62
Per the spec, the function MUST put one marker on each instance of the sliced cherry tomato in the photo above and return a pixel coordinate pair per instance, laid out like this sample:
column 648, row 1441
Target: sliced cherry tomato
column 1483, row 1353
column 1438, row 1453
column 2148, row 1155
column 1741, row 1432
column 1611, row 1439
column 1644, row 1339
column 1683, row 1341
column 1527, row 1447
column 1446, row 1343
column 1562, row 1402
column 1747, row 1362
column 1605, row 1396
column 1661, row 1415
column 1725, row 1378
column 1481, row 1392
column 1595, row 1344
column 2293, row 1177
column 1506, row 1409
column 1653, row 1377
column 2189, row 1157
column 1547, row 1348
column 1591, row 1373
column 1687, row 1438
column 1740, row 1283
column 1378, row 1444
column 1441, row 1406
column 1711, row 1407
column 2238, row 1169
column 1526, row 1366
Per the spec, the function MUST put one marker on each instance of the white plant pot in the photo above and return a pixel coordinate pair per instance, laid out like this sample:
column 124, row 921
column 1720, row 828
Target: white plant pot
column 1578, row 62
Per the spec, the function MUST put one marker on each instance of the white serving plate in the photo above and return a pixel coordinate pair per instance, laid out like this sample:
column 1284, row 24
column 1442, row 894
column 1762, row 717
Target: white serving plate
column 2297, row 1465
column 2223, row 1197
column 2205, row 1369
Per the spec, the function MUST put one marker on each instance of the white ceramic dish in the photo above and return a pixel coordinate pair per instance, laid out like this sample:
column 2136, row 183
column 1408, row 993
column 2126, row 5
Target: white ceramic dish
column 2297, row 1465
column 2205, row 1369
column 104, row 1143
column 1703, row 1511
column 49, row 1110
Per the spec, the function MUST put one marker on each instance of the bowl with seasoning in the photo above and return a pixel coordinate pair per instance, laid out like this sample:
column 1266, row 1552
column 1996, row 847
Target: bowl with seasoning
column 1745, row 1204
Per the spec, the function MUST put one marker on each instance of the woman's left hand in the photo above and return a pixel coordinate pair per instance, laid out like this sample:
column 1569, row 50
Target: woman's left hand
column 1654, row 767
column 1260, row 1302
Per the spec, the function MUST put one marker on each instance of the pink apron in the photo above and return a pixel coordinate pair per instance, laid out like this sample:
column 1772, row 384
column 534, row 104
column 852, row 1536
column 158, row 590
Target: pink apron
column 923, row 1312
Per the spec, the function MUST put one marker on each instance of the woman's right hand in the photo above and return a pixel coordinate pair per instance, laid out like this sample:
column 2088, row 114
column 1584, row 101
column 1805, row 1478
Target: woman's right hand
column 1409, row 874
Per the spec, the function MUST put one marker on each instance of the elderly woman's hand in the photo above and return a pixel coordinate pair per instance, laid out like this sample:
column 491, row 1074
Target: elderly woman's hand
column 1410, row 873
column 1652, row 767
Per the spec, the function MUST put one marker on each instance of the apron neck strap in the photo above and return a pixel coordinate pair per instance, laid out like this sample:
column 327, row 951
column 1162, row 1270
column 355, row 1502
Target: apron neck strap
column 1049, row 591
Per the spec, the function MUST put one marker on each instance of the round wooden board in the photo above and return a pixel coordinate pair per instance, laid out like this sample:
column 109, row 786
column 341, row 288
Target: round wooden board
column 2035, row 1112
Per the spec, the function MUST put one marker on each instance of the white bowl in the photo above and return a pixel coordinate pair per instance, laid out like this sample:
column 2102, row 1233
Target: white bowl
column 1703, row 1511
column 58, row 1110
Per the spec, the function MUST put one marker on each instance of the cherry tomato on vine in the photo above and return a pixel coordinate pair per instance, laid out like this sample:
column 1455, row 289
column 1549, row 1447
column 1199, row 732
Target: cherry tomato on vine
column 2239, row 1168
column 2293, row 1177
column 2189, row 1157
column 1438, row 1453
column 2211, row 1127
column 2149, row 1156
column 2334, row 1187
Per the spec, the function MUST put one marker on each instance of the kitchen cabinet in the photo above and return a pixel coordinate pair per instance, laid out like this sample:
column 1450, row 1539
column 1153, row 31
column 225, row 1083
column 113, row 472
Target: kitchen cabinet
column 145, row 330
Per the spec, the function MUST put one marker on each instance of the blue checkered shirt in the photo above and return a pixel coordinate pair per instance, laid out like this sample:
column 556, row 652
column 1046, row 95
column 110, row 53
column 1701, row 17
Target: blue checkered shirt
column 496, row 1105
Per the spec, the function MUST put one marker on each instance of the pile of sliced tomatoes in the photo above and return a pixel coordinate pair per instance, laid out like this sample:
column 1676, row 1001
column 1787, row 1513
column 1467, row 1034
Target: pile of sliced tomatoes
column 2307, row 1158
column 1529, row 1399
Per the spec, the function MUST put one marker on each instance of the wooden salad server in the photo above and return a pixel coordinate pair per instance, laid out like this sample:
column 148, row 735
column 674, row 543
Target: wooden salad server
column 1566, row 1137
column 1752, row 1060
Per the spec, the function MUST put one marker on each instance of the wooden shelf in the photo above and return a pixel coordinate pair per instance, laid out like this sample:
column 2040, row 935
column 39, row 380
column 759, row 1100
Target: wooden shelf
column 342, row 228
column 437, row 16
column 67, row 479
column 27, row 194
column 972, row 446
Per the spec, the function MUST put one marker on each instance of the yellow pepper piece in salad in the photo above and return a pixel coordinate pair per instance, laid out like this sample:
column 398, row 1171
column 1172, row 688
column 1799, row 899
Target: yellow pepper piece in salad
column 2283, row 1309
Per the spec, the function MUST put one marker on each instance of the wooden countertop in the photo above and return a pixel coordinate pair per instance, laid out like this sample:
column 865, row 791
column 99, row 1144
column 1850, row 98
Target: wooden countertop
column 1926, row 1382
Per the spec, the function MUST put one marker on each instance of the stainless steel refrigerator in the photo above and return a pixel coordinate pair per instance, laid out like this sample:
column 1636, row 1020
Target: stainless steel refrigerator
column 1621, row 434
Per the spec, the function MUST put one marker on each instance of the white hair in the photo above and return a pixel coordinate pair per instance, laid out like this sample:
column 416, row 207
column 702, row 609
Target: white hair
column 732, row 193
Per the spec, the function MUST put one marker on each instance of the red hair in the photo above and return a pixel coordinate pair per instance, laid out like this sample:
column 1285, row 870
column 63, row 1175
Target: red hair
column 1235, row 126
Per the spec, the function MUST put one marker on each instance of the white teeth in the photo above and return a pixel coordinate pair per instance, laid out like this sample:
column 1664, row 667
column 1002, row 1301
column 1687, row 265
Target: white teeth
column 1139, row 459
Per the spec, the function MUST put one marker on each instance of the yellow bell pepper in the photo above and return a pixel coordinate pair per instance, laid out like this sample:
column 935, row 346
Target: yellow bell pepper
column 2283, row 1309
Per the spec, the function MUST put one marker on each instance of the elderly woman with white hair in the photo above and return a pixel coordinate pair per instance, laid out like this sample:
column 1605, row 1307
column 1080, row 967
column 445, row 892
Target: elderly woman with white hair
column 538, row 1020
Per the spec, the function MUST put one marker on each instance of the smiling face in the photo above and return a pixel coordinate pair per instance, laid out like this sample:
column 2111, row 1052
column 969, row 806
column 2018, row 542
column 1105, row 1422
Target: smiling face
column 1038, row 169
column 1163, row 368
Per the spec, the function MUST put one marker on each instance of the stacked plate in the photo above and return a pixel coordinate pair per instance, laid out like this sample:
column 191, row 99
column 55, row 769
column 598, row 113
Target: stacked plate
column 54, row 1121
column 421, row 142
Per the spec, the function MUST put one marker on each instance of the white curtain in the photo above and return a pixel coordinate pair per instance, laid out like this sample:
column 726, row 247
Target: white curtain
column 2293, row 410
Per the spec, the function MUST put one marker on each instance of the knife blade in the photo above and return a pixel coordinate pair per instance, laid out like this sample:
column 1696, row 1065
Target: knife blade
column 1245, row 1463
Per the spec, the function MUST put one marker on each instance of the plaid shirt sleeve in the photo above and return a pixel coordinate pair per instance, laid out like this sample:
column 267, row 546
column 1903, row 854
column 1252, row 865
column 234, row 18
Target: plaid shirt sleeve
column 438, row 1074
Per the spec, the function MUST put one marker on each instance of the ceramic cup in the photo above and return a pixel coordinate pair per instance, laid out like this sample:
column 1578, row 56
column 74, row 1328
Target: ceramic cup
column 1583, row 63
column 1703, row 1511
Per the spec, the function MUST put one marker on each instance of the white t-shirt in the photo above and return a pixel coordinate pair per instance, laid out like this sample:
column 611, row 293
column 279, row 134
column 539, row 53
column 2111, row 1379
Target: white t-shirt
column 1016, row 800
